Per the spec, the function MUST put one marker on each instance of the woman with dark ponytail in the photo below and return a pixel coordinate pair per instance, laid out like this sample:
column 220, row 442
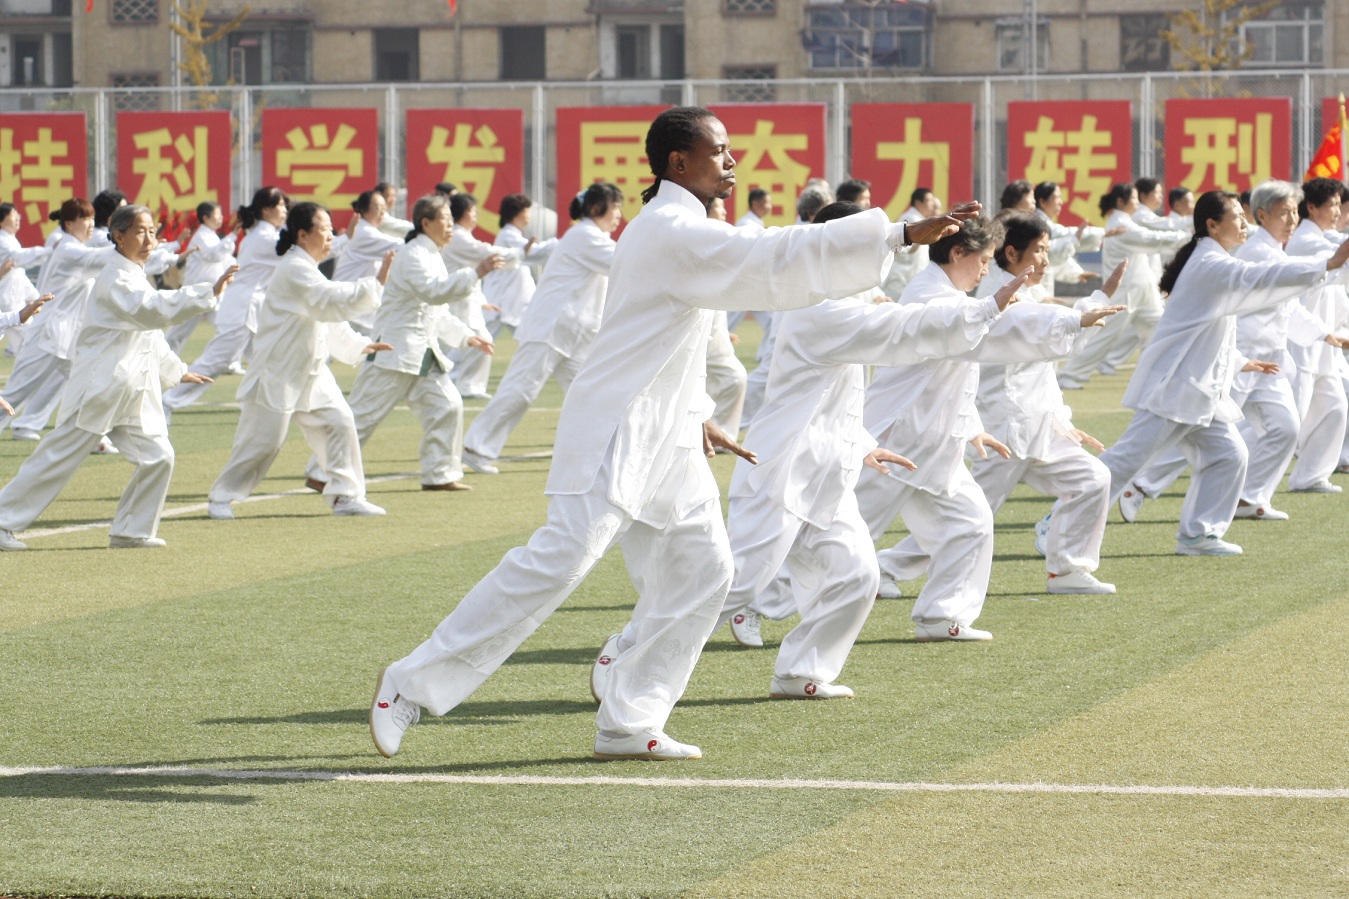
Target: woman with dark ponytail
column 471, row 367
column 237, row 319
column 1180, row 392
column 211, row 255
column 511, row 290
column 361, row 254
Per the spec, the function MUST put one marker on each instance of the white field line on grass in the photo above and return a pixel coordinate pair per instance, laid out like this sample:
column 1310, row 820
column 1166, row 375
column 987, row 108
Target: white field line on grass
column 687, row 782
column 258, row 498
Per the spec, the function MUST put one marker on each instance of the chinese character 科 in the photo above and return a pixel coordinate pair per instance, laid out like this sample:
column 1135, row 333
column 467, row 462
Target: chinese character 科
column 471, row 166
column 767, row 163
column 321, row 163
column 616, row 152
column 166, row 185
column 912, row 152
column 1217, row 147
column 1076, row 160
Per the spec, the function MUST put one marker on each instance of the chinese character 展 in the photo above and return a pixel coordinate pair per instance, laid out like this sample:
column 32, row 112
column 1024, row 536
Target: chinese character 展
column 912, row 153
column 37, row 174
column 321, row 163
column 767, row 163
column 167, row 183
column 1078, row 161
column 470, row 157
column 1227, row 154
column 616, row 152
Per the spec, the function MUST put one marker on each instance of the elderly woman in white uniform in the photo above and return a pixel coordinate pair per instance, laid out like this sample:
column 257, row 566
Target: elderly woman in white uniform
column 211, row 255
column 362, row 255
column 471, row 367
column 1064, row 242
column 121, row 363
column 302, row 322
column 512, row 289
column 16, row 290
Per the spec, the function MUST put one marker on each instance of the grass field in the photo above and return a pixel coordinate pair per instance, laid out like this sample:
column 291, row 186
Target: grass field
column 1202, row 708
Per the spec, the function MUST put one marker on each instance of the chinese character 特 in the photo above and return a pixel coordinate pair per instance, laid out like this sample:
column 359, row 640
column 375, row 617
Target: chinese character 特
column 321, row 163
column 1227, row 154
column 1079, row 161
column 912, row 153
column 167, row 184
column 616, row 152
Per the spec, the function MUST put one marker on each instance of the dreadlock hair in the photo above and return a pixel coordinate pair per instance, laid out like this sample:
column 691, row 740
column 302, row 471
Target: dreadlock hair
column 675, row 129
column 1211, row 206
column 1019, row 231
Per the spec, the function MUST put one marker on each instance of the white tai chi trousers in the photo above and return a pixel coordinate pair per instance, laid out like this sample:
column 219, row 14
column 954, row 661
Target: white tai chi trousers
column 726, row 385
column 682, row 572
column 1324, row 411
column 435, row 402
column 833, row 577
column 1082, row 485
column 472, row 368
column 951, row 540
column 1124, row 329
column 1215, row 452
column 178, row 335
column 1142, row 325
column 35, row 385
column 51, row 466
column 1344, row 454
column 224, row 350
column 531, row 366
column 330, row 432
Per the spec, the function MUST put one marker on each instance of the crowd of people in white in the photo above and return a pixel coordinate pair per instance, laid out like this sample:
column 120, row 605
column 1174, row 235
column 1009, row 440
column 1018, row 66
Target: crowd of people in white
column 912, row 369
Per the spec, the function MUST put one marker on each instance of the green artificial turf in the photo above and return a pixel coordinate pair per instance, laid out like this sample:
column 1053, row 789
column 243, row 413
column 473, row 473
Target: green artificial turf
column 253, row 645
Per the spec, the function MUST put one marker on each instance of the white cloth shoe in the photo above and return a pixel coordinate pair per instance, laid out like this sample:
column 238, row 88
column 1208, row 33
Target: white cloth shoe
column 806, row 688
column 1260, row 513
column 480, row 464
column 1042, row 536
column 599, row 672
column 26, row 434
column 1078, row 582
column 949, row 630
column 653, row 745
column 355, row 505
column 745, row 629
column 1206, row 545
column 390, row 716
column 1130, row 501
column 9, row 543
column 136, row 543
column 889, row 588
column 105, row 448
column 219, row 511
column 1319, row 487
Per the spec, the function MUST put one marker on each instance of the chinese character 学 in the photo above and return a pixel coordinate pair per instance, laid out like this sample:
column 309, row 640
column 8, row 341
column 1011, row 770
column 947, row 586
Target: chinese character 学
column 37, row 174
column 912, row 152
column 1226, row 153
column 1081, row 162
column 470, row 158
column 321, row 163
column 167, row 181
column 616, row 152
column 767, row 163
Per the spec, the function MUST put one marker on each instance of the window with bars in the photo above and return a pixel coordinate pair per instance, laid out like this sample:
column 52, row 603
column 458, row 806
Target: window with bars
column 140, row 101
column 756, row 84
column 749, row 7
column 1290, row 34
column 134, row 12
column 886, row 36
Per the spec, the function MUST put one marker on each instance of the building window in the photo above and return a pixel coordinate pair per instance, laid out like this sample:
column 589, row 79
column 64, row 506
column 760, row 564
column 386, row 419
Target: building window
column 1290, row 34
column 1014, row 36
column 134, row 12
column 749, row 7
column 890, row 36
column 756, row 84
column 524, row 53
column 275, row 56
column 396, row 54
column 146, row 101
column 632, row 45
column 1141, row 45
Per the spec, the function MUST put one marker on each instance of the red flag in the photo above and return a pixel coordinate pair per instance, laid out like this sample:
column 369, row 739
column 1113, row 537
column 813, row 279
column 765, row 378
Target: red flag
column 1326, row 162
column 454, row 6
column 88, row 5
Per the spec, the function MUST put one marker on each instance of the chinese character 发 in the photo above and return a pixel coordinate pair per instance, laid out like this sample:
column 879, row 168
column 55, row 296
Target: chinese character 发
column 470, row 158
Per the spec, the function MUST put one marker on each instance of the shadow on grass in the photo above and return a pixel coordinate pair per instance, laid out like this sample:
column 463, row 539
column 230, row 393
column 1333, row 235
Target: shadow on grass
column 505, row 712
column 119, row 788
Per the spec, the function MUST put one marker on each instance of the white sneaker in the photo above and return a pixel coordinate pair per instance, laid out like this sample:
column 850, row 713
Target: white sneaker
column 220, row 511
column 390, row 717
column 1130, row 501
column 355, row 505
column 599, row 672
column 949, row 630
column 1106, row 369
column 9, row 543
column 1078, row 582
column 136, row 543
column 26, row 434
column 1318, row 487
column 480, row 464
column 745, row 629
column 655, row 745
column 1206, row 545
column 105, row 448
column 806, row 688
column 1042, row 536
column 889, row 588
column 235, row 368
column 1260, row 513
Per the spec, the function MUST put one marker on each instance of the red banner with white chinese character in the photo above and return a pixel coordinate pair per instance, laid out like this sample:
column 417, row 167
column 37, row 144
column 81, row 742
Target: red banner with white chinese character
column 1228, row 144
column 1084, row 147
column 480, row 151
column 603, row 143
column 777, row 147
column 327, row 156
column 174, row 161
column 900, row 147
column 43, row 163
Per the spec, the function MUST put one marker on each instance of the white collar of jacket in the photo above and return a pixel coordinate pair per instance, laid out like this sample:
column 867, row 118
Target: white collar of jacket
column 303, row 254
column 1261, row 236
column 124, row 263
column 422, row 240
column 673, row 193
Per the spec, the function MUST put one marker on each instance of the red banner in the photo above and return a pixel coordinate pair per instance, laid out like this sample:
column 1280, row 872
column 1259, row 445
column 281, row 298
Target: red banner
column 480, row 151
column 1228, row 144
column 1084, row 147
column 173, row 161
column 43, row 163
column 777, row 147
column 603, row 143
column 900, row 147
column 327, row 156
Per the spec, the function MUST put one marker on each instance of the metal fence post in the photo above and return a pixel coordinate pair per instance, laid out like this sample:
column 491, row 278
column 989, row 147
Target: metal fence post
column 540, row 154
column 990, row 127
column 245, row 187
column 1147, row 127
column 101, row 141
column 391, row 129
column 1306, row 136
column 836, row 162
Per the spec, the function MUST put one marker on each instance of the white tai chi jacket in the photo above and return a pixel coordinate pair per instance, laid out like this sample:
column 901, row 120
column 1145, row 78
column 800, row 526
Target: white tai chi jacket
column 16, row 289
column 1326, row 302
column 1143, row 248
column 512, row 289
column 466, row 251
column 214, row 255
column 566, row 310
column 68, row 274
column 909, row 261
column 1064, row 245
column 122, row 361
column 363, row 255
column 413, row 311
column 640, row 397
column 257, row 261
column 302, row 322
